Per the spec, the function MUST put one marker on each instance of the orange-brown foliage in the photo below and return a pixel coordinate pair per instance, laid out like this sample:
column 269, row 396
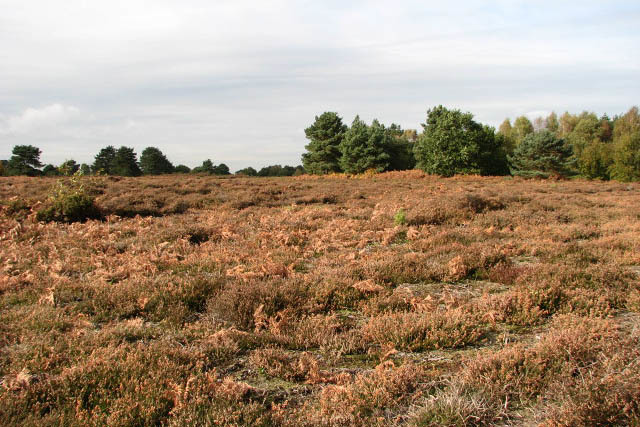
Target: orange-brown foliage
column 302, row 301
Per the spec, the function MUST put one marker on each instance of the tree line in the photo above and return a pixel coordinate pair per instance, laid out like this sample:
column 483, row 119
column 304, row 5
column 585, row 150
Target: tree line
column 452, row 142
column 25, row 160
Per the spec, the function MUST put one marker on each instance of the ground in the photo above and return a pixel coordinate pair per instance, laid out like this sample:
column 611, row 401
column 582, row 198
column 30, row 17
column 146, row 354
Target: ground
column 391, row 299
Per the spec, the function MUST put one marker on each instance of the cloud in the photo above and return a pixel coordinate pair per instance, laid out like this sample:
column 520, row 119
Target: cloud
column 38, row 119
column 237, row 80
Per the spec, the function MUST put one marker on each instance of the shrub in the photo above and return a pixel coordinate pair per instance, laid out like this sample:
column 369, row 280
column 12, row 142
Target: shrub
column 69, row 201
column 400, row 218
column 285, row 365
column 425, row 331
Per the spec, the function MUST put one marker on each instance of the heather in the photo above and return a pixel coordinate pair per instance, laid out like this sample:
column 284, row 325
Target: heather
column 379, row 299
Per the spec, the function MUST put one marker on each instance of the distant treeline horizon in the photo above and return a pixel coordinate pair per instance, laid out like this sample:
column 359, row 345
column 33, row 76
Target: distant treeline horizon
column 450, row 142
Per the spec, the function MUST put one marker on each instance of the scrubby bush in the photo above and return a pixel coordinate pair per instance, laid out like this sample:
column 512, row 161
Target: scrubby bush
column 400, row 218
column 69, row 201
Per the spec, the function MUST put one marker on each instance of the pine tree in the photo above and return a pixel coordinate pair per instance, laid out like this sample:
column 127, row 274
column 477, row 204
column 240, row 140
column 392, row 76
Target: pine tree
column 154, row 162
column 125, row 162
column 68, row 167
column 24, row 161
column 400, row 148
column 221, row 169
column 365, row 147
column 206, row 167
column 104, row 161
column 541, row 154
column 323, row 151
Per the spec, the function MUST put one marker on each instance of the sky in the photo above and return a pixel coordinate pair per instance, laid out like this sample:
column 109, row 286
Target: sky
column 238, row 81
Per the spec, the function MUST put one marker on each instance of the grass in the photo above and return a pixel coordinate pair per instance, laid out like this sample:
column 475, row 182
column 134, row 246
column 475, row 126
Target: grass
column 390, row 299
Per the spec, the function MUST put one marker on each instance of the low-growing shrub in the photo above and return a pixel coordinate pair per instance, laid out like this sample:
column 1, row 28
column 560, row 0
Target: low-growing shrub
column 69, row 201
column 425, row 331
column 369, row 399
column 400, row 218
column 517, row 373
column 285, row 365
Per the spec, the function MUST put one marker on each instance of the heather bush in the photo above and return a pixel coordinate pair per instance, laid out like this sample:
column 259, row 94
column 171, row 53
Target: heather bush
column 425, row 331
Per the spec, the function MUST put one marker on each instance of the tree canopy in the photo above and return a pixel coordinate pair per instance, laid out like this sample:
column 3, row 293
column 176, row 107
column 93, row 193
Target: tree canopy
column 453, row 143
column 125, row 162
column 104, row 161
column 24, row 161
column 626, row 147
column 182, row 169
column 522, row 127
column 365, row 147
column 541, row 154
column 323, row 150
column 68, row 167
column 249, row 171
column 154, row 162
column 399, row 147
column 278, row 170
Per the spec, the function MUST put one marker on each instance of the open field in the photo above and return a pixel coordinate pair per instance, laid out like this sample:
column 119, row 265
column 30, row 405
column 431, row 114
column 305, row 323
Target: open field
column 390, row 299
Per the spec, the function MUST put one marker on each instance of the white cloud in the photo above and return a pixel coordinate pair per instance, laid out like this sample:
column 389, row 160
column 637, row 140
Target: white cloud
column 236, row 80
column 37, row 119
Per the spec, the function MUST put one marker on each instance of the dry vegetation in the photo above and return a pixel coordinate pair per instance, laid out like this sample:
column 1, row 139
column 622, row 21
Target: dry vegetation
column 393, row 299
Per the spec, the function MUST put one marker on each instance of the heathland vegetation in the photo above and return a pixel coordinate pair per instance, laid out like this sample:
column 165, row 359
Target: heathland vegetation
column 367, row 300
column 355, row 293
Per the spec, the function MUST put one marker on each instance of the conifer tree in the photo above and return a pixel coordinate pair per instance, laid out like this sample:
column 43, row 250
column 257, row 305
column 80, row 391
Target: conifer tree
column 323, row 151
column 125, row 162
column 24, row 161
column 365, row 147
column 103, row 162
column 541, row 154
column 154, row 162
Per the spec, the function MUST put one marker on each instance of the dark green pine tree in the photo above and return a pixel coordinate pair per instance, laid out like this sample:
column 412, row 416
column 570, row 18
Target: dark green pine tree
column 103, row 162
column 542, row 154
column 125, row 162
column 24, row 161
column 323, row 151
column 365, row 147
column 154, row 162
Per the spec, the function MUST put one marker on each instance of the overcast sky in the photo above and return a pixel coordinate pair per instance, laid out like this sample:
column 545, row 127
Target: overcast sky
column 238, row 81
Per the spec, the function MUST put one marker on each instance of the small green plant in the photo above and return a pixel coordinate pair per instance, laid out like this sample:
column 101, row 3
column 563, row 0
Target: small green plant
column 400, row 218
column 69, row 201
